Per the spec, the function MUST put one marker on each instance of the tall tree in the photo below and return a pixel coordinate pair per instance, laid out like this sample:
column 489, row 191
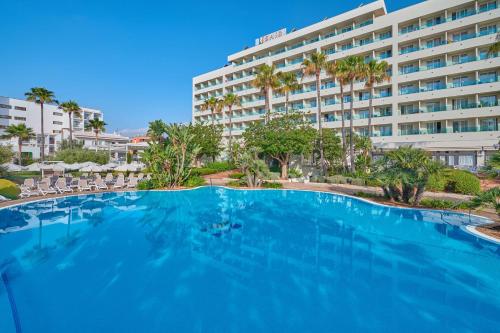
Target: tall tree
column 208, row 138
column 313, row 67
column 337, row 71
column 354, row 70
column 375, row 73
column 22, row 133
column 266, row 80
column 71, row 108
column 97, row 126
column 281, row 138
column 288, row 83
column 41, row 96
column 230, row 101
column 213, row 105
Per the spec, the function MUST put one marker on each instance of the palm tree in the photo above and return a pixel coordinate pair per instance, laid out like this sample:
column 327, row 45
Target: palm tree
column 354, row 70
column 97, row 126
column 266, row 80
column 375, row 73
column 71, row 107
column 41, row 96
column 288, row 83
column 231, row 100
column 156, row 130
column 495, row 47
column 211, row 104
column 336, row 71
column 22, row 133
column 313, row 67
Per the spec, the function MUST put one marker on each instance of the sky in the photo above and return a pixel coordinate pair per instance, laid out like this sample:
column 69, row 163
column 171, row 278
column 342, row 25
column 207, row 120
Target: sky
column 135, row 60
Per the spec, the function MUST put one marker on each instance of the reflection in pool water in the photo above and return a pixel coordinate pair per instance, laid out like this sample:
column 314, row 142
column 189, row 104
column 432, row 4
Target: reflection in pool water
column 220, row 260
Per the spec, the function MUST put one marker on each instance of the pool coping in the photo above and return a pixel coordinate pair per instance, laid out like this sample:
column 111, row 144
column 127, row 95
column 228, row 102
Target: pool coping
column 471, row 229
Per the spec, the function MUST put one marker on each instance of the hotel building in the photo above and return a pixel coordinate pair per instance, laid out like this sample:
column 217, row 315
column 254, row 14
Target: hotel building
column 56, row 128
column 443, row 93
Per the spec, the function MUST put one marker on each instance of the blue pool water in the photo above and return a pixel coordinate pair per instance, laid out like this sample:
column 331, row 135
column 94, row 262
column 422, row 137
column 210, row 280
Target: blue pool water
column 220, row 260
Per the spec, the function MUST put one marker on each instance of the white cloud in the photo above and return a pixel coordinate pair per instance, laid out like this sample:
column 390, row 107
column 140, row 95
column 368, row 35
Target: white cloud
column 131, row 132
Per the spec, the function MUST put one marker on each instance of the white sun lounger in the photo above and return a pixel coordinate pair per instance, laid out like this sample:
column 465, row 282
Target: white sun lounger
column 132, row 183
column 120, row 183
column 83, row 185
column 62, row 187
column 100, row 185
column 44, row 188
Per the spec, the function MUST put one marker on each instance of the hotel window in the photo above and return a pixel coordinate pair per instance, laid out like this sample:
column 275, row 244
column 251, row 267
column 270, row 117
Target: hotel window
column 59, row 114
column 434, row 42
column 5, row 117
column 434, row 21
column 486, row 101
column 460, row 103
column 346, row 29
column 488, row 77
column 460, row 126
column 459, row 59
column 461, row 81
column 407, row 69
column 490, row 124
column 408, row 109
column 434, row 85
column 466, row 160
column 460, row 14
column 346, row 46
column 385, row 35
column 433, row 107
column 5, row 106
column 20, row 118
column 491, row 29
column 20, row 108
column 490, row 5
column 57, row 123
column 409, row 28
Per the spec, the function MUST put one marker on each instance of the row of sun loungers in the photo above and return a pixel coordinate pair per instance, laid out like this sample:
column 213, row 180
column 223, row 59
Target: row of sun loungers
column 47, row 186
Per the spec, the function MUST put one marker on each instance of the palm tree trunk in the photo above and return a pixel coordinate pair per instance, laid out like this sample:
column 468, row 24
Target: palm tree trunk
column 42, row 152
column 267, row 105
column 230, row 132
column 70, row 130
column 320, row 129
column 344, row 143
column 96, row 140
column 351, row 129
column 212, row 115
column 287, row 96
column 370, row 113
column 20, row 149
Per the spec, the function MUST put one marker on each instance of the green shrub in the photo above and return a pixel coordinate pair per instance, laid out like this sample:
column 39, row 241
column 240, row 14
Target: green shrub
column 318, row 179
column 146, row 185
column 275, row 175
column 9, row 189
column 195, row 181
column 437, row 203
column 272, row 185
column 358, row 182
column 463, row 182
column 220, row 166
column 78, row 155
column 275, row 168
column 366, row 195
column 295, row 173
column 437, row 183
column 338, row 179
column 373, row 182
column 237, row 175
column 236, row 183
column 203, row 171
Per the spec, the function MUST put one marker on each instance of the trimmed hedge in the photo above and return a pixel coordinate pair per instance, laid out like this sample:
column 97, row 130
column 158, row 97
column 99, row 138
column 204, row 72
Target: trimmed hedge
column 203, row 171
column 272, row 185
column 336, row 179
column 9, row 189
column 220, row 166
column 463, row 182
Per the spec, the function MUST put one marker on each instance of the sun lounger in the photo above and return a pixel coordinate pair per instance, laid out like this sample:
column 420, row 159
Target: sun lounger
column 140, row 176
column 83, row 185
column 132, row 183
column 62, row 187
column 44, row 188
column 100, row 185
column 120, row 183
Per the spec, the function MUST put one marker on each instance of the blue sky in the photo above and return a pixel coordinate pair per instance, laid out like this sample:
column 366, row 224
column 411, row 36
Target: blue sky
column 135, row 59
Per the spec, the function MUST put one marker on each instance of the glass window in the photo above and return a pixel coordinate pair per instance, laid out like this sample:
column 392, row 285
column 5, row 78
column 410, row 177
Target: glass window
column 488, row 100
column 466, row 160
column 488, row 77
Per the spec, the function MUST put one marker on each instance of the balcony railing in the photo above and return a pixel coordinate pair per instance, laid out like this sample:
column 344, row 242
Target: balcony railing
column 413, row 90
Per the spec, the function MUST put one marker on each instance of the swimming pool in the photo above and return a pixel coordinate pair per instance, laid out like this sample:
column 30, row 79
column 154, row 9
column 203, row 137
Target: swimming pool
column 221, row 260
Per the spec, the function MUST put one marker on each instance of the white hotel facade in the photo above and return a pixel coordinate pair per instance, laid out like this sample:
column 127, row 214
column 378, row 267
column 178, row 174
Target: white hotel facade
column 56, row 128
column 444, row 90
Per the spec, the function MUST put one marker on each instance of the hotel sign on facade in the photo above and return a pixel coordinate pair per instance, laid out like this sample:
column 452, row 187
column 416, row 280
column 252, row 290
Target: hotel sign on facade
column 270, row 37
